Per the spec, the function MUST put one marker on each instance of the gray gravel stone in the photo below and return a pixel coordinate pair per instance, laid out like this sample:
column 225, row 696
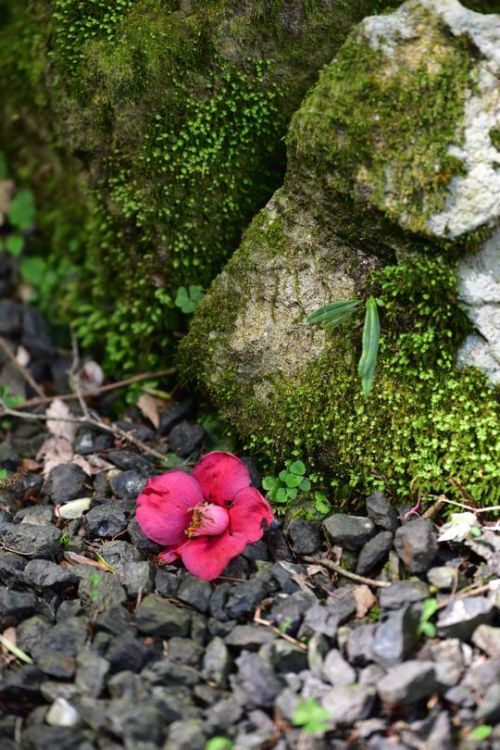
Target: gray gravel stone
column 127, row 485
column 43, row 574
column 16, row 606
column 349, row 703
column 29, row 540
column 285, row 657
column 487, row 638
column 38, row 515
column 185, row 438
column 91, row 672
column 374, row 551
column 350, row 532
column 336, row 670
column 304, row 536
column 416, row 544
column 66, row 482
column 104, row 520
column 408, row 683
column 186, row 735
column 195, row 592
column 403, row 592
column 443, row 577
column 463, row 616
column 489, row 710
column 217, row 662
column 250, row 637
column 156, row 616
column 381, row 512
column 397, row 636
column 137, row 577
column 257, row 679
column 185, row 651
column 101, row 592
column 359, row 645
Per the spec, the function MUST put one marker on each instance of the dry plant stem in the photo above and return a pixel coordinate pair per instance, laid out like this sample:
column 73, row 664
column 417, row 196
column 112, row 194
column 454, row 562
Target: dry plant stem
column 472, row 592
column 4, row 346
column 91, row 420
column 330, row 565
column 102, row 389
column 74, row 376
column 260, row 621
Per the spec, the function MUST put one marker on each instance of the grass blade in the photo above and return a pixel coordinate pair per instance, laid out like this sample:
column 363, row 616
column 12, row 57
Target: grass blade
column 17, row 652
column 371, row 339
column 334, row 314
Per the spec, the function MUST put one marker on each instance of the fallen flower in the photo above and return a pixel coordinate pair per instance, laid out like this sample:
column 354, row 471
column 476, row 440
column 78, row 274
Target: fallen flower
column 206, row 518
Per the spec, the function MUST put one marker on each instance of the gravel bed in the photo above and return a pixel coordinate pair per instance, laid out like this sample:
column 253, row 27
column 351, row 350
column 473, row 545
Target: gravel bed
column 280, row 652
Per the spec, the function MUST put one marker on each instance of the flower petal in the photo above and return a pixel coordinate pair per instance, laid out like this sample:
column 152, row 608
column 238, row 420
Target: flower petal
column 163, row 507
column 250, row 514
column 221, row 475
column 207, row 556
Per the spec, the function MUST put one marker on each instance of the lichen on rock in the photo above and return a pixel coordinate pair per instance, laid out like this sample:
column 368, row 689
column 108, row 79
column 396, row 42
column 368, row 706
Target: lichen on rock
column 372, row 159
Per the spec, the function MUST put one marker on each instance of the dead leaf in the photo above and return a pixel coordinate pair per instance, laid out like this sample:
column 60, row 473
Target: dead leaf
column 365, row 600
column 58, row 412
column 73, row 558
column 54, row 451
column 7, row 192
column 73, row 509
column 458, row 527
column 91, row 377
column 23, row 356
column 149, row 407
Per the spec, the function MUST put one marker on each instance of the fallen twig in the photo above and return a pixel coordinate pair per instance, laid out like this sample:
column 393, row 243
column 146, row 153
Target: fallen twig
column 335, row 568
column 100, row 389
column 260, row 621
column 4, row 346
column 91, row 420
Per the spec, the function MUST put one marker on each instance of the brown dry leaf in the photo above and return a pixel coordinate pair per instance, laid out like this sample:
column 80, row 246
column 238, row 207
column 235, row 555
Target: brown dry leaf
column 313, row 570
column 58, row 412
column 365, row 600
column 29, row 464
column 23, row 356
column 54, row 451
column 7, row 192
column 73, row 558
column 149, row 407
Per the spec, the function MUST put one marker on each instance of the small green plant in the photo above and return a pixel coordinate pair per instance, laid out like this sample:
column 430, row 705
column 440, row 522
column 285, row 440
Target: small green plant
column 482, row 732
column 333, row 315
column 4, row 474
column 95, row 584
column 311, row 716
column 187, row 298
column 292, row 484
column 426, row 627
column 374, row 613
column 65, row 540
column 219, row 743
column 8, row 400
column 20, row 216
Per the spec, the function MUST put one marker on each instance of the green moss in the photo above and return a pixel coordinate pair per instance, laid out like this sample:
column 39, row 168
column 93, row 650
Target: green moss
column 379, row 128
column 427, row 428
column 163, row 122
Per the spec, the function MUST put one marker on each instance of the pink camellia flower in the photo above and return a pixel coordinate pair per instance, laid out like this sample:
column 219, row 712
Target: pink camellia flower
column 206, row 518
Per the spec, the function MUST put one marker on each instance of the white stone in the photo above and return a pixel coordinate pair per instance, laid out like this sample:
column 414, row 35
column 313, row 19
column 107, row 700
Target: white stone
column 62, row 714
column 479, row 290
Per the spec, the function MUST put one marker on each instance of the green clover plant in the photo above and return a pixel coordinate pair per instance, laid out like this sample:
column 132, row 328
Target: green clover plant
column 292, row 484
column 426, row 627
column 21, row 217
column 311, row 716
column 187, row 298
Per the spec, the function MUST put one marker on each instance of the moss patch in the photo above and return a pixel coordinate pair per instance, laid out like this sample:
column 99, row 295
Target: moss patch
column 378, row 128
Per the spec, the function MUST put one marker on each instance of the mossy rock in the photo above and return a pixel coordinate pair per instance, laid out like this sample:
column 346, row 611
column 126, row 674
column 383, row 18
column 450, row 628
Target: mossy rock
column 333, row 232
column 153, row 129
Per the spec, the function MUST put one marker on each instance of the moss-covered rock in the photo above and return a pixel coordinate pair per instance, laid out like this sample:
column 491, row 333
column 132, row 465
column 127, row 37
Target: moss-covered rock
column 370, row 169
column 161, row 123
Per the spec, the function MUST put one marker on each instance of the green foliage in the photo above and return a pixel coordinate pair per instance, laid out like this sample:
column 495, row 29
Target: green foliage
column 219, row 743
column 332, row 315
column 426, row 627
column 311, row 716
column 292, row 485
column 20, row 217
column 187, row 299
column 4, row 474
column 9, row 400
column 367, row 112
column 370, row 345
column 482, row 732
column 65, row 540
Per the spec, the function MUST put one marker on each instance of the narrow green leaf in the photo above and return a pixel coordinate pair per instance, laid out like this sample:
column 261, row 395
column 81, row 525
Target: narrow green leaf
column 15, row 650
column 370, row 344
column 334, row 314
column 482, row 732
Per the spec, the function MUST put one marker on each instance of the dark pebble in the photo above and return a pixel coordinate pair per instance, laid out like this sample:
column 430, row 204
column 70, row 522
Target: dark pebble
column 66, row 482
column 186, row 438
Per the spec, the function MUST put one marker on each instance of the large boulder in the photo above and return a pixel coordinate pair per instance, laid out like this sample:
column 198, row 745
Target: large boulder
column 392, row 179
column 153, row 131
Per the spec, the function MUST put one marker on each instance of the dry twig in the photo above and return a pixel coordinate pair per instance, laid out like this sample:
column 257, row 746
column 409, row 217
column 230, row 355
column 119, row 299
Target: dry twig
column 4, row 346
column 335, row 568
column 260, row 621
